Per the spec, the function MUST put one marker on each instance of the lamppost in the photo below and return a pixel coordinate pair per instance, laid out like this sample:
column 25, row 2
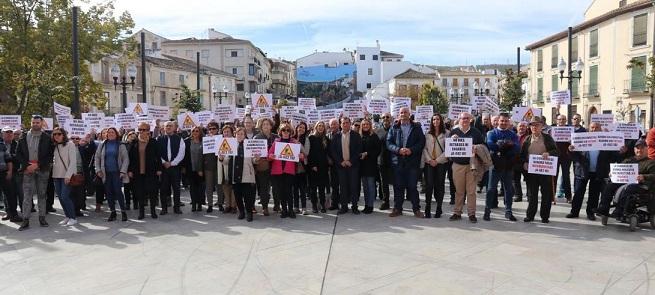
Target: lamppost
column 219, row 95
column 116, row 72
column 562, row 66
column 456, row 96
column 480, row 91
column 247, row 97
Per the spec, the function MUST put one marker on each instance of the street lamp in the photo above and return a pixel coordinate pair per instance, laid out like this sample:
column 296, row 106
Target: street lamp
column 570, row 77
column 456, row 95
column 219, row 95
column 480, row 91
column 116, row 72
column 247, row 97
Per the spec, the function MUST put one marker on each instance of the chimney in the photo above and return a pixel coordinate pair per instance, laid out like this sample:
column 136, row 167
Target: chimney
column 378, row 43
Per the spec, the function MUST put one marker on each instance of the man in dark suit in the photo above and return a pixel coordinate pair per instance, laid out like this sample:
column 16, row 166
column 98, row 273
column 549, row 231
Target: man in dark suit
column 345, row 150
column 590, row 167
column 171, row 151
column 405, row 142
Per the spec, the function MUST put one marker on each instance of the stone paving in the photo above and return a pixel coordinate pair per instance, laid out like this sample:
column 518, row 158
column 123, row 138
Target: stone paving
column 199, row 253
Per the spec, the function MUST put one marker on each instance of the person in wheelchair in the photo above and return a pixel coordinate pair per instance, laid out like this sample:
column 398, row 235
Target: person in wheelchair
column 646, row 183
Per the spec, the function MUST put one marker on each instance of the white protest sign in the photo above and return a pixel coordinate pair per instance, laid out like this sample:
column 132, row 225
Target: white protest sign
column 605, row 120
column 599, row 141
column 13, row 121
column 327, row 115
column 353, row 110
column 227, row 146
column 377, row 106
column 610, row 141
column 400, row 102
column 255, row 148
column 161, row 113
column 538, row 165
column 93, row 120
column 210, row 144
column 460, row 147
column 561, row 133
column 285, row 151
column 297, row 118
column 239, row 112
column 624, row 173
column 77, row 128
column 524, row 114
column 629, row 130
column 485, row 104
column 48, row 124
column 425, row 126
column 286, row 111
column 187, row 120
column 204, row 117
column 558, row 98
column 584, row 141
column 62, row 119
column 262, row 100
column 424, row 112
column 108, row 122
column 262, row 113
column 137, row 108
column 313, row 116
column 306, row 103
column 61, row 109
column 125, row 121
column 224, row 113
column 454, row 110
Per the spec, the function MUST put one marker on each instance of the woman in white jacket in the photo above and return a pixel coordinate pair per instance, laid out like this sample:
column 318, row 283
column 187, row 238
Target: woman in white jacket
column 435, row 165
column 65, row 166
column 241, row 175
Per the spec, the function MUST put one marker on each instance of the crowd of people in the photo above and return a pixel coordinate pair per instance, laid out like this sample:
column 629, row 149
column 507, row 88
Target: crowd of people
column 148, row 166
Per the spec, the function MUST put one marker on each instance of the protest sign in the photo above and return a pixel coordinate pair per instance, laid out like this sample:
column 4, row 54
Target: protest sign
column 538, row 165
column 285, row 151
column 93, row 120
column 524, row 114
column 48, row 124
column 353, row 110
column 377, row 106
column 13, row 121
column 313, row 116
column 240, row 113
column 624, row 173
column 210, row 144
column 400, row 102
column 76, row 127
column 204, row 117
column 561, row 133
column 227, row 146
column 629, row 130
column 137, row 108
column 62, row 119
column 125, row 121
column 610, row 141
column 108, row 122
column 306, row 104
column 558, row 98
column 187, row 120
column 260, row 100
column 460, row 147
column 161, row 113
column 454, row 110
column 225, row 113
column 327, row 115
column 255, row 148
column 424, row 112
column 605, row 120
column 600, row 141
column 61, row 109
column 286, row 111
column 297, row 118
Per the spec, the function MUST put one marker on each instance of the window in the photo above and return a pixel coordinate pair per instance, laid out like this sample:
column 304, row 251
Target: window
column 162, row 78
column 345, row 63
column 540, row 89
column 153, row 46
column 455, row 82
column 370, row 71
column 593, row 43
column 362, row 57
column 638, row 82
column 239, row 86
column 466, row 82
column 234, row 53
column 204, row 53
column 574, row 48
column 202, row 86
column 444, row 82
column 554, row 57
column 368, row 85
column 639, row 30
column 252, row 86
column 235, row 71
column 554, row 82
column 375, row 57
column 466, row 92
column 540, row 60
column 593, row 80
column 181, row 79
column 251, row 70
column 162, row 98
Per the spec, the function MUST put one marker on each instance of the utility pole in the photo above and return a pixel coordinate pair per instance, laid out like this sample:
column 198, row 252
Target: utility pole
column 75, row 106
column 143, row 68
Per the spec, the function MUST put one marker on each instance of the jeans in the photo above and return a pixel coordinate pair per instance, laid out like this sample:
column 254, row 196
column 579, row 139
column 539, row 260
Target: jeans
column 506, row 177
column 113, row 185
column 405, row 180
column 369, row 190
column 63, row 191
column 564, row 179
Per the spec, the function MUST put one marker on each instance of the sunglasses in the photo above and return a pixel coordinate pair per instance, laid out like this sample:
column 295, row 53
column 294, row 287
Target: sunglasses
column 75, row 138
column 56, row 134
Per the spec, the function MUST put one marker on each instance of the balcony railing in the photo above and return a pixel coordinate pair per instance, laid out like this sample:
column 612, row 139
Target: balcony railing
column 634, row 86
column 591, row 90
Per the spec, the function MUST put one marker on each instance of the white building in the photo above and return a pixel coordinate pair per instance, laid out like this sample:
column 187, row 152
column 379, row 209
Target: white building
column 368, row 63
column 326, row 59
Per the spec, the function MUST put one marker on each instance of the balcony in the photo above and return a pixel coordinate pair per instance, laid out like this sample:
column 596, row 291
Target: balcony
column 634, row 87
column 591, row 91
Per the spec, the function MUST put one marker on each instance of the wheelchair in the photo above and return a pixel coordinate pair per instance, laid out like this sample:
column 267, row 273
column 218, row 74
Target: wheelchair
column 638, row 208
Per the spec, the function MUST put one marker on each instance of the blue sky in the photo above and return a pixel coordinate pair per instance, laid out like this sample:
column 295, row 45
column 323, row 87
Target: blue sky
column 425, row 31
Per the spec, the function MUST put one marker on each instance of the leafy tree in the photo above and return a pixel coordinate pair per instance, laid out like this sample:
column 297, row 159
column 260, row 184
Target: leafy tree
column 36, row 52
column 432, row 95
column 512, row 92
column 189, row 100
column 281, row 102
column 649, row 77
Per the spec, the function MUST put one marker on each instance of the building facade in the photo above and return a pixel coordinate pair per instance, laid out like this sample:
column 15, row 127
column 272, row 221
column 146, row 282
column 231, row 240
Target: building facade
column 283, row 78
column 409, row 83
column 613, row 33
column 462, row 85
column 326, row 59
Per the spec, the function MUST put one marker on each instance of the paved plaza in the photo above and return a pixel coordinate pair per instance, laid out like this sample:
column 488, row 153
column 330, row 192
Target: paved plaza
column 197, row 253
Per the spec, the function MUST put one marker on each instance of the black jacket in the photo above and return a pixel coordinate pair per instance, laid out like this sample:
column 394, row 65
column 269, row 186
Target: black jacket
column 355, row 149
column 371, row 144
column 415, row 142
column 153, row 162
column 46, row 153
column 581, row 164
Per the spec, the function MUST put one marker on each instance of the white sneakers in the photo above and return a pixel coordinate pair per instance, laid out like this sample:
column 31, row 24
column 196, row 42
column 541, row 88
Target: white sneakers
column 72, row 222
column 67, row 221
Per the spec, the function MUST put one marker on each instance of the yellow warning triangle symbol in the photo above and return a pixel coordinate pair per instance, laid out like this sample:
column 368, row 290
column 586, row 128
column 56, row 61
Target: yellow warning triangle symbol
column 287, row 151
column 188, row 121
column 138, row 109
column 225, row 148
column 261, row 101
column 528, row 115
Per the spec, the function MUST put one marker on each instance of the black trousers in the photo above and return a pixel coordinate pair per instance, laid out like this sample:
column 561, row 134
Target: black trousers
column 128, row 191
column 170, row 179
column 244, row 193
column 536, row 183
column 263, row 179
column 386, row 179
column 145, row 189
column 197, row 187
column 435, row 184
column 8, row 188
column 334, row 185
column 596, row 186
column 100, row 192
column 78, row 196
column 518, row 188
column 283, row 185
column 300, row 190
column 349, row 186
column 50, row 193
column 451, row 182
column 608, row 196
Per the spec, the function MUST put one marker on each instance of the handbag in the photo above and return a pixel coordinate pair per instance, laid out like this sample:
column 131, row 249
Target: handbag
column 77, row 179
